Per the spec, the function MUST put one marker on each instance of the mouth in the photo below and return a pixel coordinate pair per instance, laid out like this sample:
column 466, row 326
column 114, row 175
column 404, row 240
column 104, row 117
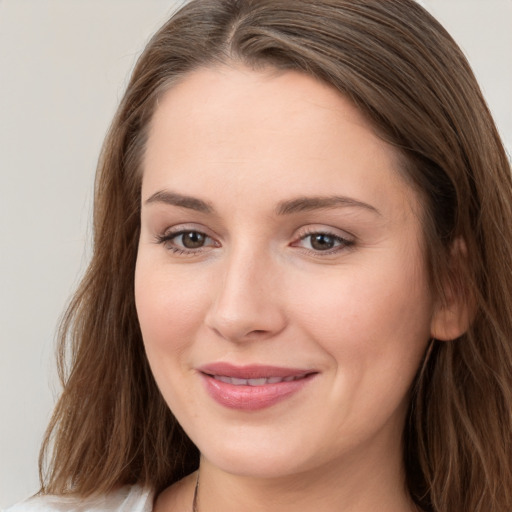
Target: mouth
column 254, row 387
column 256, row 382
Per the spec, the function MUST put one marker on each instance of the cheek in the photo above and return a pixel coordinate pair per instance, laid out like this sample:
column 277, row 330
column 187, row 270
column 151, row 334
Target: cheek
column 375, row 329
column 170, row 309
column 368, row 303
column 374, row 322
column 169, row 306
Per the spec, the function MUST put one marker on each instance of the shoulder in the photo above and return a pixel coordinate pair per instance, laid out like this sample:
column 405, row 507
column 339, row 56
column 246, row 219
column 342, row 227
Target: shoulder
column 126, row 499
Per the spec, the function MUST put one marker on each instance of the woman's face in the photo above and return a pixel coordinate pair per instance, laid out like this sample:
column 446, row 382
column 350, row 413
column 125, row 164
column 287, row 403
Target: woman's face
column 280, row 281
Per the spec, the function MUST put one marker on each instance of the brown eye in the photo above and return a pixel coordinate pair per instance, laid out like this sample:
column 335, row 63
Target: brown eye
column 192, row 239
column 186, row 242
column 322, row 241
column 319, row 242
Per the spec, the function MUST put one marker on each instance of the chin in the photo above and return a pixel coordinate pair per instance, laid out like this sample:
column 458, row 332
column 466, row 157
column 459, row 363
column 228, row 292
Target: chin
column 256, row 458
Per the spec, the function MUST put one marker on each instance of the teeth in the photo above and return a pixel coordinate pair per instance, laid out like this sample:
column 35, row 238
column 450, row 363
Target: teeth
column 255, row 382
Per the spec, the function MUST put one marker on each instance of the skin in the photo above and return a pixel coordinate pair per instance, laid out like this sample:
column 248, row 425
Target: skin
column 258, row 291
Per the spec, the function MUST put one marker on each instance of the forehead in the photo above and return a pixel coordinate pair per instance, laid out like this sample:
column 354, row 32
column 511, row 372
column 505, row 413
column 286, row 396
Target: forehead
column 269, row 130
column 219, row 101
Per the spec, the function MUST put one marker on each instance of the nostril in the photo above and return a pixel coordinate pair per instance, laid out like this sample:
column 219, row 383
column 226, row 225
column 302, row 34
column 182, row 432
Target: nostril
column 238, row 318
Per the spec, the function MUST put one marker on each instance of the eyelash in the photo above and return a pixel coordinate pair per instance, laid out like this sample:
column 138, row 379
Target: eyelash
column 167, row 239
column 343, row 243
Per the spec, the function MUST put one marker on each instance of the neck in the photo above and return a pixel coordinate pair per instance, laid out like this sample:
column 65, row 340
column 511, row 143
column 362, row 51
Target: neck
column 361, row 488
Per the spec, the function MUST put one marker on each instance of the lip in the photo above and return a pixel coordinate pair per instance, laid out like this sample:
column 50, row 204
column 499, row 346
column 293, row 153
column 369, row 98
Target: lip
column 266, row 386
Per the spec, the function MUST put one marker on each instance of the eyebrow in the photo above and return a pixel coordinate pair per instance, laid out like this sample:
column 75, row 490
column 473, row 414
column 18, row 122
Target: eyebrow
column 289, row 207
column 305, row 204
column 174, row 199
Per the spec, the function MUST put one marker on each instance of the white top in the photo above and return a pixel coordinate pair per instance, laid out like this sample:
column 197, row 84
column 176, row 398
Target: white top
column 127, row 499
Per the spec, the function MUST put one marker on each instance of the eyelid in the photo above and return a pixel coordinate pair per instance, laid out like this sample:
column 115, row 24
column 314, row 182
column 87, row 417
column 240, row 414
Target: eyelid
column 346, row 240
column 343, row 240
column 312, row 229
column 184, row 228
column 168, row 236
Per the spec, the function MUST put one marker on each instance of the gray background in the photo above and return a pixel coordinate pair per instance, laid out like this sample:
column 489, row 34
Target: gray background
column 63, row 68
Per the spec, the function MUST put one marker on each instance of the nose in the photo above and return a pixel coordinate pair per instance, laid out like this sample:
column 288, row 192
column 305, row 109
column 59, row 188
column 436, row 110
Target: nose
column 247, row 304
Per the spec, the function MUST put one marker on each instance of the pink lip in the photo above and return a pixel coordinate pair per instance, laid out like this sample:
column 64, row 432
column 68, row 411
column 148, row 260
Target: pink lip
column 252, row 397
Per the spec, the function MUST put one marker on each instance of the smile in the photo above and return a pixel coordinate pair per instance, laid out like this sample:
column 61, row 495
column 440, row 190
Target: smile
column 256, row 382
column 251, row 388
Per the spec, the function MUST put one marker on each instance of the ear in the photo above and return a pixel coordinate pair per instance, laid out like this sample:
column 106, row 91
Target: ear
column 455, row 309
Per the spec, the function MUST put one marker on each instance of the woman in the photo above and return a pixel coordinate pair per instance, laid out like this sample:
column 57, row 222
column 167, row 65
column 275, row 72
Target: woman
column 300, row 291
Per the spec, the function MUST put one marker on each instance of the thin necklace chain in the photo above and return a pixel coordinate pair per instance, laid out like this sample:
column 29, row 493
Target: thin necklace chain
column 196, row 489
column 194, row 501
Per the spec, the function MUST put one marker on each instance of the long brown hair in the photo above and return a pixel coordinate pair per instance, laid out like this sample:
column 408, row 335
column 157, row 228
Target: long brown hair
column 409, row 78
